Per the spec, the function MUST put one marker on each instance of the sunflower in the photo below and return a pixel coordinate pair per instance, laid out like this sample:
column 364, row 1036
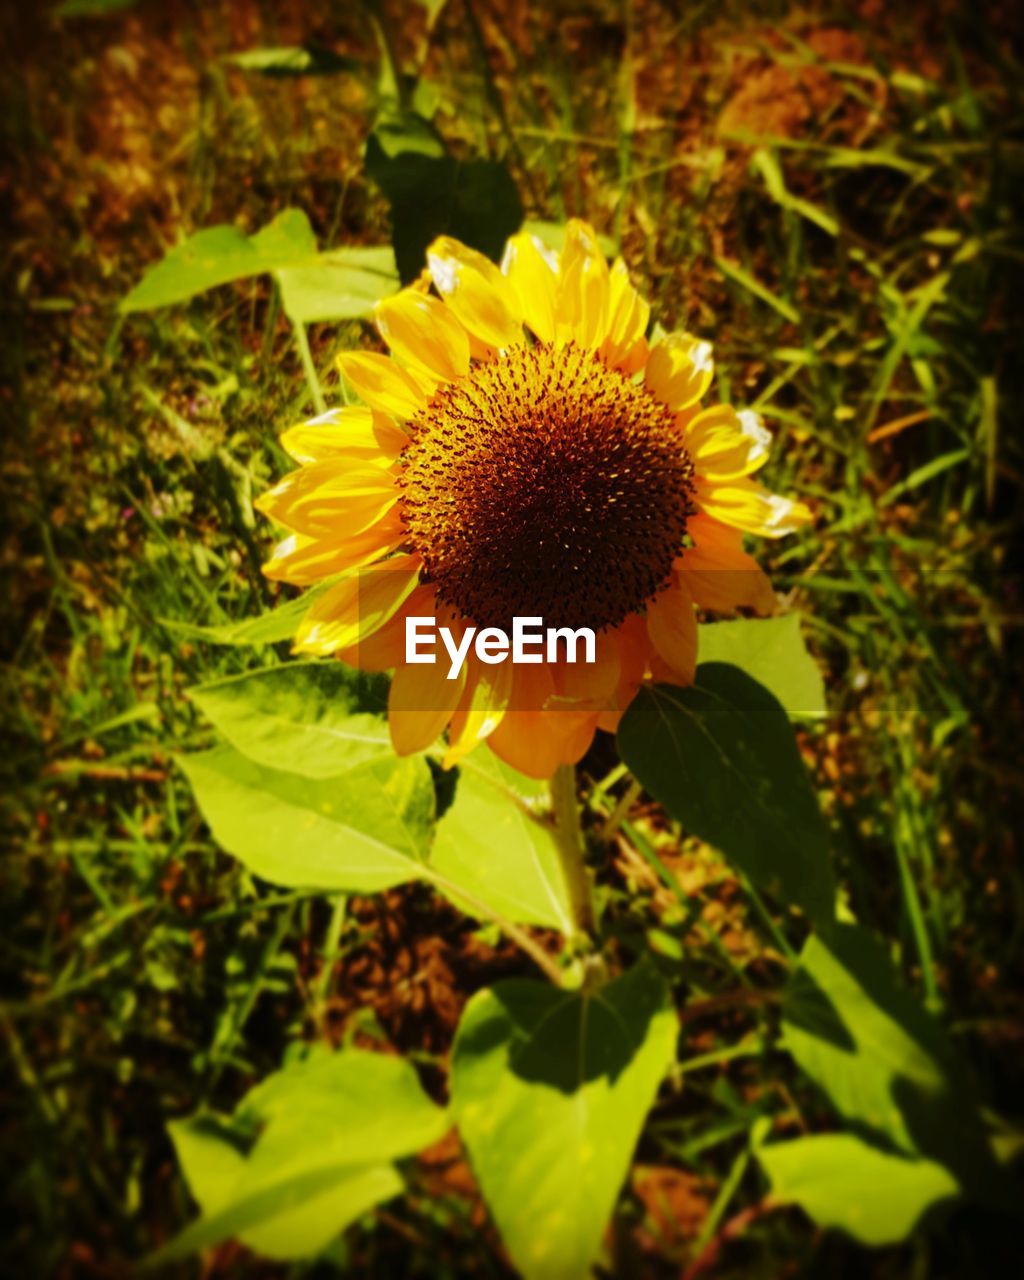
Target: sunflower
column 524, row 451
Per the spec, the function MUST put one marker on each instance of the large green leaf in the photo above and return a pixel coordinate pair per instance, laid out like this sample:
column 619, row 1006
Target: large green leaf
column 721, row 757
column 221, row 254
column 772, row 650
column 842, row 1181
column 489, row 844
column 342, row 284
column 885, row 1064
column 329, row 1127
column 859, row 1045
column 363, row 1107
column 299, row 1215
column 272, row 627
column 319, row 719
column 432, row 193
column 361, row 831
column 550, row 1090
column 290, row 1217
column 212, row 1155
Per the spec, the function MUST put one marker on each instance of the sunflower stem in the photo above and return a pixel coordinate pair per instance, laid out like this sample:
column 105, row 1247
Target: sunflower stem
column 569, row 842
column 308, row 367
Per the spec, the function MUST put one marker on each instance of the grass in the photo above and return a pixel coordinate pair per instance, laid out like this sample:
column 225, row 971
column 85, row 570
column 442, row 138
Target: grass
column 836, row 204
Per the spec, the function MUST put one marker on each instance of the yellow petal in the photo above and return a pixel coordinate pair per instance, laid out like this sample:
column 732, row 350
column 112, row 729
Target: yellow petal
column 427, row 382
column 672, row 628
column 532, row 272
column 382, row 384
column 583, row 288
column 329, row 435
column 533, row 687
column 332, row 499
column 679, row 370
column 484, row 702
column 391, row 438
column 719, row 574
column 575, row 733
column 723, row 590
column 726, row 445
column 385, row 649
column 421, row 331
column 521, row 741
column 581, row 245
column 662, row 673
column 537, row 742
column 350, row 432
column 584, row 686
column 421, row 703
column 303, row 560
column 634, row 359
column 358, row 606
column 747, row 505
column 708, row 532
column 633, row 646
column 476, row 292
column 609, row 720
column 628, row 314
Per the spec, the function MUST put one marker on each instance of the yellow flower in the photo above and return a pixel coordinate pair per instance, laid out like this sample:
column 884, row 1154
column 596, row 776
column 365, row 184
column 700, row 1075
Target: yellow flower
column 524, row 452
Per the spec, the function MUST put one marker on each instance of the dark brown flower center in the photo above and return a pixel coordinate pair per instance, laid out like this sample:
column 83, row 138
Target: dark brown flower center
column 545, row 484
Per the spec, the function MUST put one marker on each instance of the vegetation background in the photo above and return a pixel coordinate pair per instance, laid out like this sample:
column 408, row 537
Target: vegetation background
column 831, row 194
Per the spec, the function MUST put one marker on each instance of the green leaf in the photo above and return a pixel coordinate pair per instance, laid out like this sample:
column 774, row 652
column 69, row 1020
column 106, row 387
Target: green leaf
column 306, row 1211
column 721, row 757
column 361, row 831
column 550, row 1090
column 921, row 475
column 370, row 1104
column 211, row 1157
column 318, row 719
column 432, row 193
column 886, row 1065
column 772, row 651
column 767, row 165
column 293, row 1217
column 859, row 1044
column 272, row 627
column 745, row 280
column 841, row 1181
column 342, row 284
column 329, row 1126
column 398, row 134
column 294, row 60
column 432, row 10
column 219, row 255
column 489, row 844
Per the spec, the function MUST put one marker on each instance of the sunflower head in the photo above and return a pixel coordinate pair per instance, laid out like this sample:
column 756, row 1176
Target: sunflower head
column 548, row 484
column 524, row 452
